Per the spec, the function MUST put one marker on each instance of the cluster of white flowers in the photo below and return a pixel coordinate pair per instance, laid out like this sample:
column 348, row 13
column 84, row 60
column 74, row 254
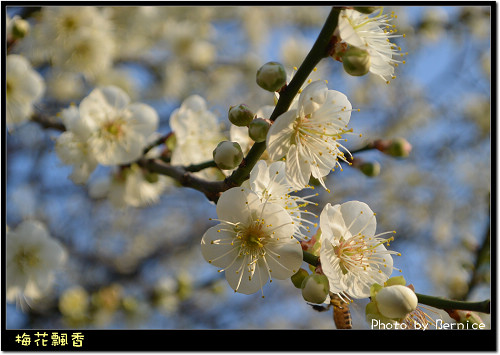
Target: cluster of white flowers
column 304, row 142
column 263, row 225
column 76, row 39
column 32, row 257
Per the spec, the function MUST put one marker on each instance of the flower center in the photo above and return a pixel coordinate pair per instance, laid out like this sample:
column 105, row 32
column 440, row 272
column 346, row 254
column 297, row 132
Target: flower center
column 351, row 254
column 27, row 259
column 69, row 24
column 356, row 254
column 253, row 238
column 114, row 128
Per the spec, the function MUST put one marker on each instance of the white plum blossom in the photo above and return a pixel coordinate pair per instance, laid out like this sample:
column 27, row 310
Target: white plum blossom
column 75, row 38
column 24, row 87
column 89, row 52
column 197, row 133
column 269, row 182
column 253, row 243
column 72, row 147
column 308, row 135
column 119, row 129
column 371, row 33
column 352, row 256
column 32, row 257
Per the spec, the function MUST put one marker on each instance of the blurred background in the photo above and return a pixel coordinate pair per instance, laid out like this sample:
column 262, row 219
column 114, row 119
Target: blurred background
column 141, row 268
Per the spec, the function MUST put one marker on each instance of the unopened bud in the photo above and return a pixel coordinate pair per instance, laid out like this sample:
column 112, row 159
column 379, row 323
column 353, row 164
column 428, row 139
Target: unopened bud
column 399, row 147
column 151, row 177
column 356, row 61
column 228, row 155
column 171, row 142
column 299, row 277
column 240, row 115
column 20, row 28
column 366, row 9
column 258, row 128
column 396, row 301
column 395, row 280
column 315, row 288
column 271, row 76
column 370, row 169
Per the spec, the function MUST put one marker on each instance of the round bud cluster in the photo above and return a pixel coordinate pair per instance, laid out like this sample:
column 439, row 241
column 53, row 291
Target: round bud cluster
column 240, row 115
column 356, row 61
column 228, row 155
column 258, row 128
column 271, row 76
column 315, row 288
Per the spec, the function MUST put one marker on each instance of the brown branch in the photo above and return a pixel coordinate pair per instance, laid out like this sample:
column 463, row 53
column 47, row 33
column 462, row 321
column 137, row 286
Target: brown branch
column 211, row 189
column 47, row 123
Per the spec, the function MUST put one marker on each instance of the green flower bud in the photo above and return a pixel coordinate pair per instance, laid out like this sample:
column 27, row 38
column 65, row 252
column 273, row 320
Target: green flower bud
column 171, row 142
column 20, row 28
column 356, row 61
column 240, row 115
column 271, row 76
column 298, row 277
column 396, row 280
column 315, row 288
column 228, row 155
column 366, row 9
column 258, row 128
column 370, row 169
column 399, row 147
column 151, row 177
column 396, row 301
